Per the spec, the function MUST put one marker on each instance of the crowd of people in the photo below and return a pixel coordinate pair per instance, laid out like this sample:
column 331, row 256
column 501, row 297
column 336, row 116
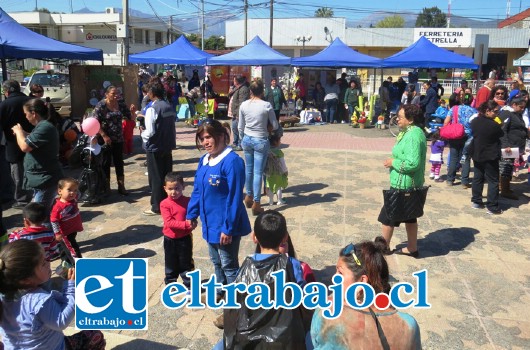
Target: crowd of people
column 495, row 124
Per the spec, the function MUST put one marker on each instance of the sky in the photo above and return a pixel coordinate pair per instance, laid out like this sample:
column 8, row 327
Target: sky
column 351, row 9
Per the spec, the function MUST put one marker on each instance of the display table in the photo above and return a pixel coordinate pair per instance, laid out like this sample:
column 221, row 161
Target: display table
column 310, row 116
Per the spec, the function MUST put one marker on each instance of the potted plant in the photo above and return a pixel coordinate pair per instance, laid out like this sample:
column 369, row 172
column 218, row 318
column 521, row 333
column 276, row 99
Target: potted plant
column 362, row 120
column 354, row 120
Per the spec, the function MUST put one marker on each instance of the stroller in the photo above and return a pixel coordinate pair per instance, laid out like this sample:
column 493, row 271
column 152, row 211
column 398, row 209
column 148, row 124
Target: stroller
column 88, row 153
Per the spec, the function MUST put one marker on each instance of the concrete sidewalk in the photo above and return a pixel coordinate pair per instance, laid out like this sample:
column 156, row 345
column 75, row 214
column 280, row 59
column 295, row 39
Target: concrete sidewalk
column 478, row 265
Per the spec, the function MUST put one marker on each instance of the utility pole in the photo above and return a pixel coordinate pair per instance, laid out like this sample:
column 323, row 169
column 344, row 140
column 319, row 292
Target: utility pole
column 449, row 14
column 272, row 23
column 170, row 31
column 246, row 20
column 125, row 41
column 202, row 25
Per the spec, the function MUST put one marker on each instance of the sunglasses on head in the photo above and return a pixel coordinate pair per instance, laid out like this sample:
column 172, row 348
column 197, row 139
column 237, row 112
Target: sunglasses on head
column 350, row 250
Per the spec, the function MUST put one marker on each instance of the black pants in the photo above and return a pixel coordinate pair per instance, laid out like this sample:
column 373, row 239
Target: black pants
column 178, row 259
column 158, row 165
column 488, row 171
column 72, row 244
column 113, row 154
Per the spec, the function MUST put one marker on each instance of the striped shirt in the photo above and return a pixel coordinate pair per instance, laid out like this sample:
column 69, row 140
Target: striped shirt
column 42, row 234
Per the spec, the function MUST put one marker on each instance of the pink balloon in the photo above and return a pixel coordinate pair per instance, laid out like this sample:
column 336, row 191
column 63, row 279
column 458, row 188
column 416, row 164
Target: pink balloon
column 90, row 126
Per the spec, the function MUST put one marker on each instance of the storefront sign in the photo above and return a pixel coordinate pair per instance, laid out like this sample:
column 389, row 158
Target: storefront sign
column 445, row 37
column 110, row 37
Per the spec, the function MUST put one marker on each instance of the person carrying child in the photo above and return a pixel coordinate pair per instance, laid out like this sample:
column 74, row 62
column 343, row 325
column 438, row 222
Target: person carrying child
column 267, row 328
column 178, row 242
column 31, row 317
column 436, row 159
column 275, row 171
column 65, row 217
column 34, row 215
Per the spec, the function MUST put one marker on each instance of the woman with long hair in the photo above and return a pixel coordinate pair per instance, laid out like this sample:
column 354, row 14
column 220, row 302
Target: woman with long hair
column 256, row 120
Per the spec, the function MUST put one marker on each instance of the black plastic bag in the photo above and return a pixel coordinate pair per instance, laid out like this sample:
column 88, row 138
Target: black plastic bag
column 264, row 329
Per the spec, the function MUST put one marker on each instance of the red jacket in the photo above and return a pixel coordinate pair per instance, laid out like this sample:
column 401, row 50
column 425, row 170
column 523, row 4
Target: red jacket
column 174, row 216
column 483, row 95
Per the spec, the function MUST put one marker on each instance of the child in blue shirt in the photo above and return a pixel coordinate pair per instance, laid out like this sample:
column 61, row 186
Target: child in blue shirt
column 31, row 317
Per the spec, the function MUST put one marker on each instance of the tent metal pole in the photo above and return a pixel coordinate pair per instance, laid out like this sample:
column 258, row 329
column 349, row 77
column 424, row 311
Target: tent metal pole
column 4, row 69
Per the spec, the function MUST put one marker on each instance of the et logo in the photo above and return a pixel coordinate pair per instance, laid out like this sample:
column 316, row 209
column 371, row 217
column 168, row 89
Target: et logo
column 111, row 294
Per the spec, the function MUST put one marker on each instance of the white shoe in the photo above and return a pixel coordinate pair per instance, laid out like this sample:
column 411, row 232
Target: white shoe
column 431, row 176
column 146, row 173
column 281, row 202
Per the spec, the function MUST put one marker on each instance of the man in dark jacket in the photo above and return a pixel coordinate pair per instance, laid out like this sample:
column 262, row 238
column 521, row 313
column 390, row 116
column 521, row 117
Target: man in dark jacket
column 159, row 138
column 515, row 134
column 11, row 114
column 429, row 102
column 241, row 94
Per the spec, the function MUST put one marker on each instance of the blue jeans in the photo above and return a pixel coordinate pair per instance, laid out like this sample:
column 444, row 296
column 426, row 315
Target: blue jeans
column 225, row 260
column 331, row 106
column 455, row 154
column 235, row 132
column 46, row 197
column 256, row 152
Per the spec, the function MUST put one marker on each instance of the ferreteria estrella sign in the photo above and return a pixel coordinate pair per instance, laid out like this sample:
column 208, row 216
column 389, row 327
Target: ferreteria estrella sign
column 445, row 37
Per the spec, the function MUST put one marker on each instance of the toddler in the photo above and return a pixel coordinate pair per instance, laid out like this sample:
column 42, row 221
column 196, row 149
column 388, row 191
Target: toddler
column 65, row 217
column 34, row 216
column 441, row 112
column 31, row 317
column 178, row 243
column 275, row 171
column 128, row 126
column 437, row 149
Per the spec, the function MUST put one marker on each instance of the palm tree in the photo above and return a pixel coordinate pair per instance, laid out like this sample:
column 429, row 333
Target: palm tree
column 324, row 12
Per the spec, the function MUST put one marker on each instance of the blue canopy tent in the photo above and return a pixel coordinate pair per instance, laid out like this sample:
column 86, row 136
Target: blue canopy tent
column 255, row 53
column 338, row 55
column 424, row 54
column 179, row 52
column 18, row 42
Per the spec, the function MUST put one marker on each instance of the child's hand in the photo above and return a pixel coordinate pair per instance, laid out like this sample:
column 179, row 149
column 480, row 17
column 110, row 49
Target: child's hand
column 71, row 274
column 58, row 237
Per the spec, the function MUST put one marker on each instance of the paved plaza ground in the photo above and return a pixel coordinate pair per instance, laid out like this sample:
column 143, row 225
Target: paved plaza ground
column 478, row 265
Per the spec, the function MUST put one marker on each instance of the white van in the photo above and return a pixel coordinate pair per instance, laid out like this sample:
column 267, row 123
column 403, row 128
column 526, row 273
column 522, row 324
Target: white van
column 56, row 87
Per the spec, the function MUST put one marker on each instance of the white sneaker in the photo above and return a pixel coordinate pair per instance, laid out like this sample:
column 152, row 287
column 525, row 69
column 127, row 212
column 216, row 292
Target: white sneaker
column 281, row 202
column 431, row 176
column 146, row 173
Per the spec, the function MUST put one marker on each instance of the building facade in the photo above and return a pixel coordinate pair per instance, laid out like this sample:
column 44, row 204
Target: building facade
column 96, row 30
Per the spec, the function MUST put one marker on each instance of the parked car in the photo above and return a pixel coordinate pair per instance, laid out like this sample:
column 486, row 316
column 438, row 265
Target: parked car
column 56, row 87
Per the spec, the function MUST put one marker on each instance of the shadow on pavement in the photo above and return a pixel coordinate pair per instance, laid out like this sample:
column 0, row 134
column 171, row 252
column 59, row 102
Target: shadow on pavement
column 144, row 344
column 138, row 253
column 132, row 235
column 300, row 195
column 442, row 242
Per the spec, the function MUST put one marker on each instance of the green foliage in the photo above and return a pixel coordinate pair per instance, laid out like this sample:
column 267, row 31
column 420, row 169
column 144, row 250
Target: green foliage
column 431, row 17
column 43, row 9
column 193, row 37
column 395, row 21
column 29, row 72
column 324, row 12
column 468, row 75
column 214, row 43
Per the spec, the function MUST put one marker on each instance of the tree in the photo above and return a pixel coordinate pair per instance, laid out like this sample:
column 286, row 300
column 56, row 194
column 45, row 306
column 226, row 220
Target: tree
column 395, row 21
column 431, row 17
column 324, row 12
column 214, row 43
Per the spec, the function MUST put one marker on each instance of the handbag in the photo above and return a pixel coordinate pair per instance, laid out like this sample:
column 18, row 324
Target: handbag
column 453, row 131
column 404, row 204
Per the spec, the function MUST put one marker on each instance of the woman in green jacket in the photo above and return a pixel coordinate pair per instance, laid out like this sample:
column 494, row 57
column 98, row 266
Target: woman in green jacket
column 408, row 158
column 351, row 98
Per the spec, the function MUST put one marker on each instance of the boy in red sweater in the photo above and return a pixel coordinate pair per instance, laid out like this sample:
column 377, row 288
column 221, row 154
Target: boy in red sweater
column 178, row 243
column 65, row 217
